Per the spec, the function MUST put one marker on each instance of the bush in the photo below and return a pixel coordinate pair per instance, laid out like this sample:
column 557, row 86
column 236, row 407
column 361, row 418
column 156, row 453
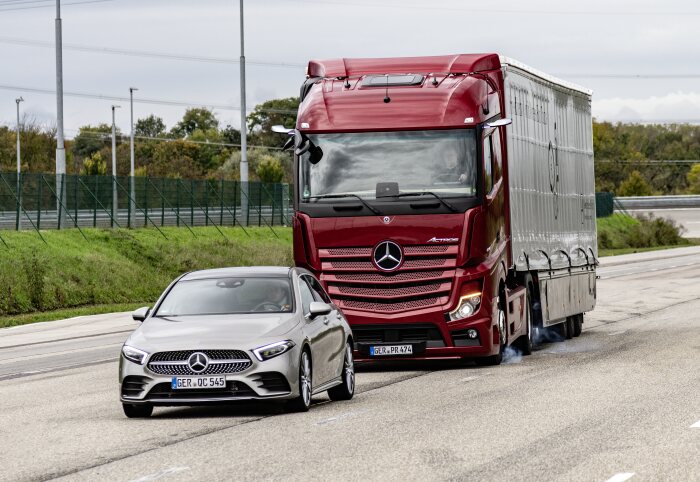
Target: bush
column 622, row 231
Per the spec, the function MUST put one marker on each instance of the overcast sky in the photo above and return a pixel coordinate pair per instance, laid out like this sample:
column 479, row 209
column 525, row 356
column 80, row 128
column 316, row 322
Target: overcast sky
column 584, row 42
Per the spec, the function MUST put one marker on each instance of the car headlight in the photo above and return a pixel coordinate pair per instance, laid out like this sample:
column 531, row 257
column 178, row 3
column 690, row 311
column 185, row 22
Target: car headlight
column 468, row 305
column 275, row 349
column 134, row 354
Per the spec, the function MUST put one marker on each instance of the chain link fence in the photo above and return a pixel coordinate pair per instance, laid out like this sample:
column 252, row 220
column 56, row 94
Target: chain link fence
column 46, row 201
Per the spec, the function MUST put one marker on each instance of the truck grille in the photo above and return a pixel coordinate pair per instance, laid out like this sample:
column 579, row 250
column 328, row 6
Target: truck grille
column 220, row 362
column 399, row 333
column 424, row 279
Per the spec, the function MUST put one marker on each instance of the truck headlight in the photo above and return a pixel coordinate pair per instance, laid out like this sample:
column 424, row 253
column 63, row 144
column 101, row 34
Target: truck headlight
column 275, row 349
column 467, row 306
column 134, row 354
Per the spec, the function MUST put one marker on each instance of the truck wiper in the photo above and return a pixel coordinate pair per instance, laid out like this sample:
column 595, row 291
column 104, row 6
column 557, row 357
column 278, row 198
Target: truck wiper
column 429, row 193
column 338, row 196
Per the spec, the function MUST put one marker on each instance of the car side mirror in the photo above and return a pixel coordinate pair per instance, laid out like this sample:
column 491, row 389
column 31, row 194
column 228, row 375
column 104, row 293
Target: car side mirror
column 141, row 314
column 318, row 309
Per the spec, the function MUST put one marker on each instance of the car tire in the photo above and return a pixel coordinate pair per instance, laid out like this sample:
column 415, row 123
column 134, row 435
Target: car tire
column 302, row 403
column 345, row 390
column 578, row 324
column 137, row 411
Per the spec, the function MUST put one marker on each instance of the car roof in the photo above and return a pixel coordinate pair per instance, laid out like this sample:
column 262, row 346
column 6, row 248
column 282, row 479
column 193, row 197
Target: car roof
column 253, row 271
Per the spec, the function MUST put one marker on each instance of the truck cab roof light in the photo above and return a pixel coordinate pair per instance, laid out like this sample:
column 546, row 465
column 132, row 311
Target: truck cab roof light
column 392, row 80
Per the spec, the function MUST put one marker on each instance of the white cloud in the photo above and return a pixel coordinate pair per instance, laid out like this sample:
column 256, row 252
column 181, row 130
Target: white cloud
column 675, row 106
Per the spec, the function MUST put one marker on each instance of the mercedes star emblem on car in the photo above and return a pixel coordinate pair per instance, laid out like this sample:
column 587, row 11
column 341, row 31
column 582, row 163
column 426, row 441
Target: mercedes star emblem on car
column 387, row 256
column 198, row 362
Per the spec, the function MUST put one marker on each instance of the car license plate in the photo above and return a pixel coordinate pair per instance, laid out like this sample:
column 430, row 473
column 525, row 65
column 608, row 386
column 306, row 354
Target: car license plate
column 180, row 383
column 384, row 350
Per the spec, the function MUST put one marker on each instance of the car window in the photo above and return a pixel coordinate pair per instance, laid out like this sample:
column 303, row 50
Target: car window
column 318, row 291
column 306, row 296
column 218, row 296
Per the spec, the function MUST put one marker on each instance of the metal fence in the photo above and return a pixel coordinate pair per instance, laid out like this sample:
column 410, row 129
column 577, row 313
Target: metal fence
column 46, row 201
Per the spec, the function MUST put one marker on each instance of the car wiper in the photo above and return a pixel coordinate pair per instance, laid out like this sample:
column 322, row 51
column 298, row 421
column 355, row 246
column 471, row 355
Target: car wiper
column 429, row 193
column 338, row 196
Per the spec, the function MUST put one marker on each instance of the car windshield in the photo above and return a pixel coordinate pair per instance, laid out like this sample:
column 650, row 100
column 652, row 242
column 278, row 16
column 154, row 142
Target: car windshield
column 385, row 163
column 218, row 296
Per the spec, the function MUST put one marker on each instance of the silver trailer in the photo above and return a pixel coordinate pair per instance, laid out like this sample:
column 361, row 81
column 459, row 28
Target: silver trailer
column 552, row 189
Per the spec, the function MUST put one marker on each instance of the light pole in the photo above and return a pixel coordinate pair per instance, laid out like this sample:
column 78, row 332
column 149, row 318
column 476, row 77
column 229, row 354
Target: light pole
column 132, row 186
column 244, row 133
column 115, row 206
column 19, row 168
column 60, row 144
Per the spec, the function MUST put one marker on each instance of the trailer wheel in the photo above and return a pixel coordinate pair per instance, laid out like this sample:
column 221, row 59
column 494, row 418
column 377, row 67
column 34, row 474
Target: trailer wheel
column 569, row 327
column 578, row 324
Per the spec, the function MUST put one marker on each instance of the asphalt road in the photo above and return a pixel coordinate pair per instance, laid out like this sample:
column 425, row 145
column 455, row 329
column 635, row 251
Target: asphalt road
column 621, row 399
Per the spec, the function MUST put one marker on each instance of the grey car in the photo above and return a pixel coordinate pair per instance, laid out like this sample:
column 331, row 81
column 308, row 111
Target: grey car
column 230, row 334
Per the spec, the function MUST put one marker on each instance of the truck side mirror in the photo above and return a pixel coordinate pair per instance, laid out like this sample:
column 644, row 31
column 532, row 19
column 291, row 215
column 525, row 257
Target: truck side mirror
column 499, row 123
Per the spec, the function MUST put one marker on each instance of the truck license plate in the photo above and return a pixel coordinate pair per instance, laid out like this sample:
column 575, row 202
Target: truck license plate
column 179, row 383
column 384, row 350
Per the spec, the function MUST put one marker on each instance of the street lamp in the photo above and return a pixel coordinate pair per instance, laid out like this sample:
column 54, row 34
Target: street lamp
column 132, row 186
column 19, row 167
column 114, row 165
column 244, row 133
column 60, row 144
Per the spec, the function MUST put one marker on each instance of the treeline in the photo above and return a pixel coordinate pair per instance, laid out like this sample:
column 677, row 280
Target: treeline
column 199, row 147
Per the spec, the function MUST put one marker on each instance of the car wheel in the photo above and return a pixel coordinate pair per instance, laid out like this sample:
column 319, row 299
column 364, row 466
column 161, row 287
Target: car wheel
column 137, row 411
column 345, row 390
column 303, row 401
column 502, row 337
column 578, row 324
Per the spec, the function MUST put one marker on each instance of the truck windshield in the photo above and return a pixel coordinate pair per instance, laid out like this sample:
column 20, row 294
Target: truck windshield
column 440, row 161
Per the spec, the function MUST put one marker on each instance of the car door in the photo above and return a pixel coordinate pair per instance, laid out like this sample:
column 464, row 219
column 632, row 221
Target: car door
column 314, row 329
column 334, row 327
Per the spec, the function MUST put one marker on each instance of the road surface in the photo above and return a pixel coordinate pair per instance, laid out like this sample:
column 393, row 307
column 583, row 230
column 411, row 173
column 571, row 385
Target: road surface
column 623, row 398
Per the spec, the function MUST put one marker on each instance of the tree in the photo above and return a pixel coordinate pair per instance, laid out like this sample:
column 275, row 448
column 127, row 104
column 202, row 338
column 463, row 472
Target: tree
column 694, row 179
column 94, row 166
column 231, row 135
column 635, row 185
column 198, row 118
column 151, row 126
column 270, row 169
column 270, row 113
column 90, row 139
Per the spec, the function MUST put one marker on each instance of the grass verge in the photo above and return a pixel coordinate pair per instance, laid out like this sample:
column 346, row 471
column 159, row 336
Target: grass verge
column 16, row 320
column 118, row 266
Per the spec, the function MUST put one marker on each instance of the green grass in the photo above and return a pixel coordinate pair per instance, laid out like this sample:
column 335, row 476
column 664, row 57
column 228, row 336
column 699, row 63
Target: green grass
column 39, row 316
column 118, row 266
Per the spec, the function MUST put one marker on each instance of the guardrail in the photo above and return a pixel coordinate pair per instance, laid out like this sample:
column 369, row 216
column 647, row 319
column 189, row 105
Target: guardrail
column 658, row 202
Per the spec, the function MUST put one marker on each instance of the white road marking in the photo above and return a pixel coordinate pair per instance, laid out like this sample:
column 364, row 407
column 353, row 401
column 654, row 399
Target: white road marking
column 617, row 333
column 621, row 477
column 161, row 473
column 340, row 417
column 696, row 424
column 468, row 379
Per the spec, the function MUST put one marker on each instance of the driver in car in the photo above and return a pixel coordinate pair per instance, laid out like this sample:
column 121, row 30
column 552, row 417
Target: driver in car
column 275, row 300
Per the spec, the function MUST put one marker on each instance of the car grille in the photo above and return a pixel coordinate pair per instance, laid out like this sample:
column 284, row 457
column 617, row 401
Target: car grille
column 424, row 280
column 220, row 362
column 272, row 381
column 133, row 385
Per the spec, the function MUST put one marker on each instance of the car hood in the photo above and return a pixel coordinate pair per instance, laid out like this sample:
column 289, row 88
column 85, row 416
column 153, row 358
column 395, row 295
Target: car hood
column 211, row 331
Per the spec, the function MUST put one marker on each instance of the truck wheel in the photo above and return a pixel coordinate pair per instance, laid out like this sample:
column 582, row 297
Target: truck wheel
column 527, row 341
column 578, row 324
column 345, row 390
column 137, row 411
column 569, row 327
column 502, row 337
column 303, row 401
column 560, row 331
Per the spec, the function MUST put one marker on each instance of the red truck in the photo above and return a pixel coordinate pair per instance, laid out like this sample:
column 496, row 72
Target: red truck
column 446, row 203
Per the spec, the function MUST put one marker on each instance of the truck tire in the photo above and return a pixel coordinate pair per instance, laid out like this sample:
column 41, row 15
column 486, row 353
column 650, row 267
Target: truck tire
column 570, row 327
column 502, row 337
column 560, row 331
column 528, row 341
column 578, row 324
